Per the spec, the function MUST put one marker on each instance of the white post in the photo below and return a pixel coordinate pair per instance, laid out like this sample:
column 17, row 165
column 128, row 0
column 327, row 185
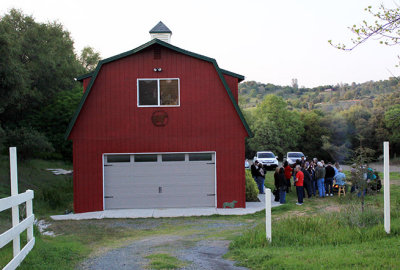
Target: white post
column 268, row 214
column 29, row 212
column 14, row 191
column 386, row 187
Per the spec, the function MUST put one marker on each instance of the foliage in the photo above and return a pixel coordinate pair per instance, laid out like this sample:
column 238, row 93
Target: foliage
column 89, row 58
column 331, row 127
column 54, row 119
column 38, row 61
column 360, row 173
column 392, row 122
column 386, row 28
column 37, row 87
column 29, row 142
column 312, row 139
column 275, row 128
column 32, row 174
column 251, row 188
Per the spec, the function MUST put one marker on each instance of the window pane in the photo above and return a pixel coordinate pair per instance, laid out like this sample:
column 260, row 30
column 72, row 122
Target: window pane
column 119, row 158
column 148, row 94
column 169, row 92
column 200, row 157
column 145, row 158
column 266, row 155
column 173, row 157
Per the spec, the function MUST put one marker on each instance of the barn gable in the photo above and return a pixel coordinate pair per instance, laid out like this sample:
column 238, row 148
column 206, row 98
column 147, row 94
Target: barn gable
column 219, row 71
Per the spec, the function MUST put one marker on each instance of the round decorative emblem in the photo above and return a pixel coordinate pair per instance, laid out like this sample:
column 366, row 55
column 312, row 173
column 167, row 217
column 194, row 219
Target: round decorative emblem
column 159, row 118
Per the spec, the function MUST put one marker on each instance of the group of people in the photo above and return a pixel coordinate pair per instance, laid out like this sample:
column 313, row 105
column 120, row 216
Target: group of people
column 314, row 177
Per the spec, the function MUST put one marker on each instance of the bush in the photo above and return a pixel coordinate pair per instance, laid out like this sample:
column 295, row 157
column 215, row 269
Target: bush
column 29, row 142
column 251, row 188
column 59, row 196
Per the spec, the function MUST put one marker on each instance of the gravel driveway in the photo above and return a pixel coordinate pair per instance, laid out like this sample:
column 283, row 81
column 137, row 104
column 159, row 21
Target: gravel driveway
column 199, row 250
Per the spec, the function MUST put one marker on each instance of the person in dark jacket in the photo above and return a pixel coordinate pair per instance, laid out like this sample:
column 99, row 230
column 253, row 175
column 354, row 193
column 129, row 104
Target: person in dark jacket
column 311, row 171
column 329, row 175
column 276, row 184
column 282, row 186
column 258, row 174
column 254, row 170
column 307, row 181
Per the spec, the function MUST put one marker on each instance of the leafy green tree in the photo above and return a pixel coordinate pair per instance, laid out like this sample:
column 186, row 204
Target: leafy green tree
column 336, row 143
column 275, row 128
column 311, row 139
column 37, row 71
column 37, row 61
column 392, row 121
column 89, row 58
column 29, row 142
column 53, row 119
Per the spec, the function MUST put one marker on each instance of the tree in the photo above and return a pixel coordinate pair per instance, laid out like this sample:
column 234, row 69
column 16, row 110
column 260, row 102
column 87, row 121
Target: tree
column 37, row 61
column 359, row 173
column 37, row 69
column 89, row 58
column 385, row 28
column 311, row 139
column 295, row 84
column 392, row 122
column 275, row 128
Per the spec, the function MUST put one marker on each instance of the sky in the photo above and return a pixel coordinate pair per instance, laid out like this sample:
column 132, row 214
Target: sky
column 267, row 41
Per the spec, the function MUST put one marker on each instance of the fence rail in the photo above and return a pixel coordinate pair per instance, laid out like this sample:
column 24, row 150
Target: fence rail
column 18, row 226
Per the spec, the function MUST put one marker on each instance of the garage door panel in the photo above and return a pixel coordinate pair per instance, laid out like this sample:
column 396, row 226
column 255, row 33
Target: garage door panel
column 159, row 184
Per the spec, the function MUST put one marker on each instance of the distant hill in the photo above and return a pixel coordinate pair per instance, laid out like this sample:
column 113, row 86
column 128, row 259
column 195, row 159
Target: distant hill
column 327, row 97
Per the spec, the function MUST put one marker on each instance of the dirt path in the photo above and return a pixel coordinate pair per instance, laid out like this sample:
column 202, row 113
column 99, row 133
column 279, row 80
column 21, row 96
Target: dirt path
column 201, row 250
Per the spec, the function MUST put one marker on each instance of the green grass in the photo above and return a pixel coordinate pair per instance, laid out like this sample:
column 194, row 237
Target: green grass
column 164, row 261
column 340, row 239
column 62, row 252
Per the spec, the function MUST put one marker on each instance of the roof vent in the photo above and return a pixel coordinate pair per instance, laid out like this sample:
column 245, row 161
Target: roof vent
column 161, row 32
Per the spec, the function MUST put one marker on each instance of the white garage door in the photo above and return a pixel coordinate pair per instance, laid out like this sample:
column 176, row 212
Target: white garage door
column 159, row 180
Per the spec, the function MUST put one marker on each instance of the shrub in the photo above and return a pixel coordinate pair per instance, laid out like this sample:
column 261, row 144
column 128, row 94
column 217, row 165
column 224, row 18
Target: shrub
column 251, row 188
column 29, row 142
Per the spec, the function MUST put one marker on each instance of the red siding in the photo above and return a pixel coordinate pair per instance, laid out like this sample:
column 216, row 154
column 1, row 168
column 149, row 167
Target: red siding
column 86, row 82
column 111, row 122
column 233, row 85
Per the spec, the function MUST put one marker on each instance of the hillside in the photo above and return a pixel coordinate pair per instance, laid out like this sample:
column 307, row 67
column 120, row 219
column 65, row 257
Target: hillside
column 327, row 97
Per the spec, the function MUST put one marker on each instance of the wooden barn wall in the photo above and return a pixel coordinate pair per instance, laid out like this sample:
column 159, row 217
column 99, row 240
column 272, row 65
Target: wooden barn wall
column 111, row 122
column 86, row 83
column 233, row 85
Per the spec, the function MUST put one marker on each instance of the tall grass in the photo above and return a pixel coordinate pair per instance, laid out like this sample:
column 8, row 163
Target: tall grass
column 342, row 233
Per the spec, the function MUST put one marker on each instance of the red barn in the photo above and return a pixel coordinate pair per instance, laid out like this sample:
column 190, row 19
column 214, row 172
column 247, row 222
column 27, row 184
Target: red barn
column 158, row 126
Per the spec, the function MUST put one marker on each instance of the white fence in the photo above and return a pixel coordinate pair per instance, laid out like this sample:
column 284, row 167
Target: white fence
column 18, row 227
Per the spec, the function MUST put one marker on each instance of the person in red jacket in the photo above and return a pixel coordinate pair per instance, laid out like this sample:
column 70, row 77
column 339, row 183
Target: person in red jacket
column 288, row 174
column 299, row 185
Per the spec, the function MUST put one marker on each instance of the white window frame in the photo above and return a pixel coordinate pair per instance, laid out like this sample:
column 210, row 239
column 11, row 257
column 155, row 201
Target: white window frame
column 158, row 91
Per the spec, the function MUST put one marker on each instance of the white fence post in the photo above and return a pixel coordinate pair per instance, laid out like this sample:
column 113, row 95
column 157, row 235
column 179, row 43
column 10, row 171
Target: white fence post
column 386, row 187
column 268, row 214
column 29, row 212
column 18, row 227
column 14, row 191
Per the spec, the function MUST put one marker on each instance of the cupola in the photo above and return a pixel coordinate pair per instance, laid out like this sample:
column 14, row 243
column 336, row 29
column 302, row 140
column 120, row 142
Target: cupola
column 161, row 32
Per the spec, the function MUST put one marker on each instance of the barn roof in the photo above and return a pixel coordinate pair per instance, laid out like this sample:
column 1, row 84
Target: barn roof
column 160, row 28
column 169, row 46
